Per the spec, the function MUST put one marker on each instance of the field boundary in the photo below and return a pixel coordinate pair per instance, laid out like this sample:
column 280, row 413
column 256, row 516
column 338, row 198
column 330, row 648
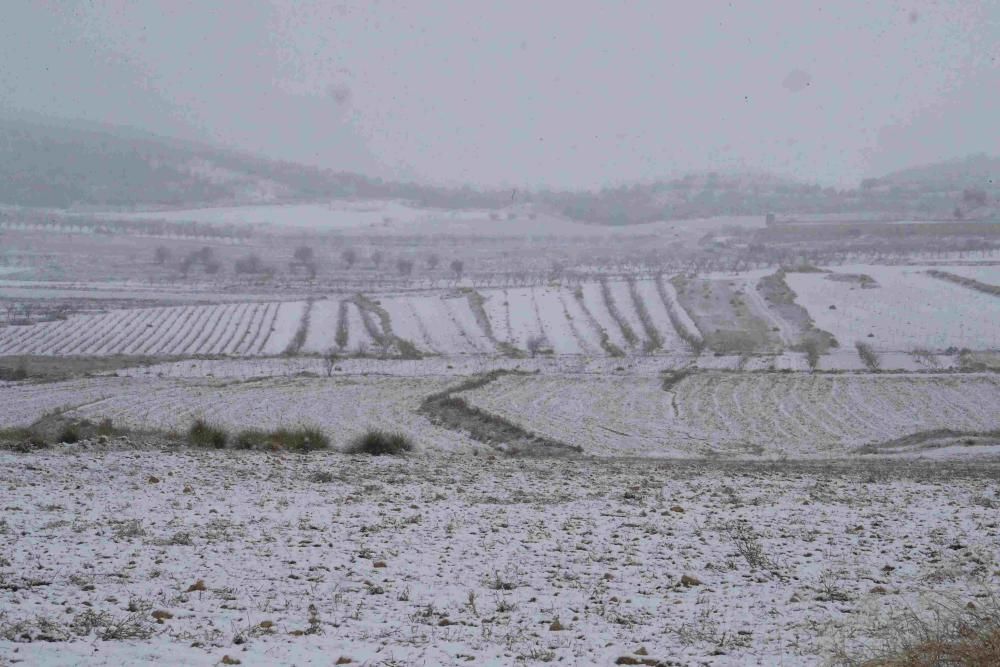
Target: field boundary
column 453, row 412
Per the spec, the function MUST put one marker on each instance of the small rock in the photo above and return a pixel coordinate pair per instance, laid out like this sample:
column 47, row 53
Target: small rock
column 688, row 581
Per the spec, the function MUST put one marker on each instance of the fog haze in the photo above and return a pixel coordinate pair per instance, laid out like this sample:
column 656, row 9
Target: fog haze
column 570, row 95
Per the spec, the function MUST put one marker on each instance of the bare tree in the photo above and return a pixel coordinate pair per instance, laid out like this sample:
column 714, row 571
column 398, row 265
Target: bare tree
column 304, row 257
column 974, row 197
column 161, row 255
column 350, row 257
column 432, row 261
column 811, row 346
column 252, row 263
column 534, row 345
column 405, row 266
column 330, row 360
column 457, row 267
column 868, row 355
column 304, row 254
column 377, row 258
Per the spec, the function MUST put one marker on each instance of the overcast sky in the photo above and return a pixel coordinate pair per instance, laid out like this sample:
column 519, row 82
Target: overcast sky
column 567, row 94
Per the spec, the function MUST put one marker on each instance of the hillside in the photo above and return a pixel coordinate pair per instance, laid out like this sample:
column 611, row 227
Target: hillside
column 61, row 166
column 53, row 165
column 979, row 170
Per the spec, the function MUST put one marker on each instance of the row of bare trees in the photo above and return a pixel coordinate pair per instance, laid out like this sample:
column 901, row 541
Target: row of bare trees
column 303, row 259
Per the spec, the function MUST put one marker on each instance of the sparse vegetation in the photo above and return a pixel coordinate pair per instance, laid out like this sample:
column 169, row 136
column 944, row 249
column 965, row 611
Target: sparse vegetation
column 301, row 439
column 203, row 434
column 22, row 438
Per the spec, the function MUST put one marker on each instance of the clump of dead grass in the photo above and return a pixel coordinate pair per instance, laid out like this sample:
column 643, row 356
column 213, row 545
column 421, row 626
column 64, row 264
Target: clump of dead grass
column 377, row 442
column 205, row 435
column 949, row 634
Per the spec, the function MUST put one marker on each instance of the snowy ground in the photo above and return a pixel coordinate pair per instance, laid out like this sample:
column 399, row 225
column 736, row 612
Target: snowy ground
column 462, row 559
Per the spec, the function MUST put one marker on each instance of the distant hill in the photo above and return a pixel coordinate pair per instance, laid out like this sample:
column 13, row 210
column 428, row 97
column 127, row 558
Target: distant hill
column 60, row 166
column 52, row 164
column 974, row 171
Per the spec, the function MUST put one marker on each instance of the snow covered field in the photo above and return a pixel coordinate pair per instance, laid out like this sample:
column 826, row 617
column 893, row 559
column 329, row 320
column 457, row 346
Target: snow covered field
column 342, row 407
column 187, row 557
column 706, row 414
column 232, row 329
column 793, row 415
column 909, row 309
column 567, row 321
column 334, row 215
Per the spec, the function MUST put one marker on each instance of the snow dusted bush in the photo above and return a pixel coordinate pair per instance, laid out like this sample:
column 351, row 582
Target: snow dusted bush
column 69, row 434
column 377, row 442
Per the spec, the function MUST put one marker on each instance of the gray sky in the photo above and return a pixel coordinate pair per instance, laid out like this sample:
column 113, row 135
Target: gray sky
column 567, row 94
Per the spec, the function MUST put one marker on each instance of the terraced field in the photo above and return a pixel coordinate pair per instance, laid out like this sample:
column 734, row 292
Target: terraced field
column 895, row 309
column 741, row 414
column 230, row 329
column 614, row 317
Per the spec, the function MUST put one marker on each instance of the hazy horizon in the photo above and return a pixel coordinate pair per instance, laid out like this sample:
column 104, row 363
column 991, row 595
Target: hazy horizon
column 514, row 94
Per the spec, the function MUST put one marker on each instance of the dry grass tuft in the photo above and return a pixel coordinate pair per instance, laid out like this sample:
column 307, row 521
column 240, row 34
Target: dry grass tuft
column 381, row 443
